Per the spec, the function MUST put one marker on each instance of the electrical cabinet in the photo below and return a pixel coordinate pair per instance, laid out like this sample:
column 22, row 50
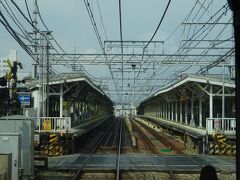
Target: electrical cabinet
column 25, row 127
column 11, row 143
column 6, row 166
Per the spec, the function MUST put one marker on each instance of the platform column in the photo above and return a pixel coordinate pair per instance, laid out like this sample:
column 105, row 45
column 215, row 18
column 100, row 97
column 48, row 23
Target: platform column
column 85, row 110
column 165, row 115
column 160, row 110
column 192, row 121
column 78, row 108
column 61, row 101
column 176, row 111
column 180, row 109
column 166, row 110
column 172, row 118
column 186, row 112
column 169, row 110
column 210, row 103
column 163, row 110
column 163, row 105
column 200, row 112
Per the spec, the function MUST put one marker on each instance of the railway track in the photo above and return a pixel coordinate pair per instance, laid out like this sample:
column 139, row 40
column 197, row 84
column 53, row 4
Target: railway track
column 167, row 140
column 139, row 127
column 104, row 139
column 151, row 138
column 146, row 141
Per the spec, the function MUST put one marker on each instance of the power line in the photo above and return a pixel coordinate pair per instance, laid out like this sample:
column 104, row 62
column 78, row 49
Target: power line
column 160, row 22
column 89, row 10
column 26, row 4
column 100, row 14
column 121, row 39
column 158, row 25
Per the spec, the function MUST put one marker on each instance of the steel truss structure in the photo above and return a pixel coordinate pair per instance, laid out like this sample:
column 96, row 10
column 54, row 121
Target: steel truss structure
column 130, row 59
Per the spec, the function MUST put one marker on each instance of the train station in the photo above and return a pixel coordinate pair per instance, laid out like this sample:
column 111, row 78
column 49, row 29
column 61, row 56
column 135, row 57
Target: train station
column 81, row 99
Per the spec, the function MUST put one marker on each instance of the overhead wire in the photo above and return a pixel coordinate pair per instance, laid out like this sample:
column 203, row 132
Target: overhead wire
column 156, row 30
column 101, row 18
column 185, row 42
column 92, row 19
column 5, row 23
column 121, row 38
column 15, row 19
column 160, row 22
column 94, row 24
column 29, row 15
column 204, row 52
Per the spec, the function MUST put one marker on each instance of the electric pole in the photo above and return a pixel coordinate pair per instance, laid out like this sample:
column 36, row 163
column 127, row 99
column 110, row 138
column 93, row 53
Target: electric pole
column 235, row 7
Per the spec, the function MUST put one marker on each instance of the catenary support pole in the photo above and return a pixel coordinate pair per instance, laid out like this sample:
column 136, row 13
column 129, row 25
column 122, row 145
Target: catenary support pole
column 235, row 7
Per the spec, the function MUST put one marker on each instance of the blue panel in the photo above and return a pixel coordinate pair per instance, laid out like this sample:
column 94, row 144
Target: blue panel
column 24, row 99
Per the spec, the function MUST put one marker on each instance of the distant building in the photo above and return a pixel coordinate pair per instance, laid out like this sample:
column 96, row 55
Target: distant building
column 4, row 68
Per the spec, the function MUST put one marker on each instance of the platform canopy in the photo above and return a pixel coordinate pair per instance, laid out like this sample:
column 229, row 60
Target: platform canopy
column 196, row 84
column 74, row 84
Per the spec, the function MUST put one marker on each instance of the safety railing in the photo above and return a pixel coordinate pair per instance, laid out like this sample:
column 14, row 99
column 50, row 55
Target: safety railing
column 52, row 124
column 226, row 126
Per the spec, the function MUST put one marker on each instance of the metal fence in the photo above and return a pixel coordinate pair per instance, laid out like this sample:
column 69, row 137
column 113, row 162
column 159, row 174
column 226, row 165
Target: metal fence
column 52, row 124
column 226, row 126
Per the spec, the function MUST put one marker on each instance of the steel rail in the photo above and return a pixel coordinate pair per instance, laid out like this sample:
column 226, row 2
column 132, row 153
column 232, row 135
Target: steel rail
column 144, row 137
column 79, row 173
column 171, row 174
column 119, row 150
column 163, row 140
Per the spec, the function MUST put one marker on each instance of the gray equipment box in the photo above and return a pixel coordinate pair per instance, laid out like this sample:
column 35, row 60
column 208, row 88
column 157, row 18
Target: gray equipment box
column 25, row 127
column 6, row 166
column 11, row 143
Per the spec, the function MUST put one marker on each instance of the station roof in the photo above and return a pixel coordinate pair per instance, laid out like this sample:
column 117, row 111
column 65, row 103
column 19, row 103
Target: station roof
column 204, row 79
column 200, row 79
column 65, row 78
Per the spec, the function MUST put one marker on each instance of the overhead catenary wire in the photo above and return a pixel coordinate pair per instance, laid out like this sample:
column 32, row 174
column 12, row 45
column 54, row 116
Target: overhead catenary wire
column 16, row 21
column 29, row 15
column 5, row 23
column 160, row 22
column 121, row 38
column 101, row 18
column 180, row 48
column 95, row 28
column 94, row 24
column 17, row 36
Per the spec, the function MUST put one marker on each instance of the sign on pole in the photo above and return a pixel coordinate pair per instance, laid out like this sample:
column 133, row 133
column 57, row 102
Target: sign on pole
column 24, row 100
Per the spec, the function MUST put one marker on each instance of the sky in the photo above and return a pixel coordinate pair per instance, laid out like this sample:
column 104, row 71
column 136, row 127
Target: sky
column 73, row 30
column 70, row 23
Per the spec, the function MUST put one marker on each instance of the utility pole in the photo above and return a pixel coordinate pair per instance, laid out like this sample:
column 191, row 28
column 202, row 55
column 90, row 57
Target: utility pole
column 47, row 85
column 223, row 93
column 35, row 40
column 235, row 7
column 44, row 75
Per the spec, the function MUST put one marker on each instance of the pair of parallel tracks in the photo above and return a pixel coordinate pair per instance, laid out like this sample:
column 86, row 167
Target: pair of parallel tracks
column 100, row 140
column 152, row 147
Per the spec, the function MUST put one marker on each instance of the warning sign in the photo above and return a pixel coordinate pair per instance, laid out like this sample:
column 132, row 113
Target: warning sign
column 47, row 125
